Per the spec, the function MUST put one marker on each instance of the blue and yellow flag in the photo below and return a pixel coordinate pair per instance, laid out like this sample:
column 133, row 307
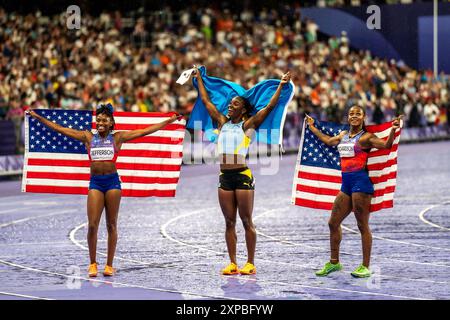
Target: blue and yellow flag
column 221, row 92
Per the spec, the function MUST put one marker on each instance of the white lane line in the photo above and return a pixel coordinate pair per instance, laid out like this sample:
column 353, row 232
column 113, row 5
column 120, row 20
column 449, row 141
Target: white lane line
column 23, row 296
column 296, row 244
column 89, row 279
column 166, row 235
column 115, row 283
column 422, row 216
column 11, row 210
column 402, row 242
column 79, row 245
column 36, row 217
column 163, row 230
column 26, row 208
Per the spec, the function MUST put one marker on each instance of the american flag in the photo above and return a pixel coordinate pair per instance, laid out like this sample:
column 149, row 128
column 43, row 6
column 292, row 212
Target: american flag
column 147, row 166
column 317, row 178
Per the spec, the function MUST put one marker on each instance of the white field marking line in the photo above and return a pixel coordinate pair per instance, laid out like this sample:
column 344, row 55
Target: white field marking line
column 402, row 242
column 24, row 209
column 11, row 210
column 422, row 216
column 332, row 289
column 344, row 252
column 94, row 280
column 107, row 282
column 78, row 244
column 166, row 235
column 23, row 296
column 355, row 254
column 163, row 230
column 35, row 217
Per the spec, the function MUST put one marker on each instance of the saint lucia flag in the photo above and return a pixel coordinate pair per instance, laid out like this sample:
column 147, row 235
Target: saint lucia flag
column 221, row 92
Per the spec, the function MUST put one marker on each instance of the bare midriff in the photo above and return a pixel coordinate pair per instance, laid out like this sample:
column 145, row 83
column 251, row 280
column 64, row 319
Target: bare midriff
column 102, row 168
column 232, row 161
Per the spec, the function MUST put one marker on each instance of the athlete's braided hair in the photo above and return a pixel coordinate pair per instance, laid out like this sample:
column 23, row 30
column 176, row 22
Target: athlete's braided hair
column 108, row 110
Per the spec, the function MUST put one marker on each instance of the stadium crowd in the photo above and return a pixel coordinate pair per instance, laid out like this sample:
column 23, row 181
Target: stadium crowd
column 134, row 63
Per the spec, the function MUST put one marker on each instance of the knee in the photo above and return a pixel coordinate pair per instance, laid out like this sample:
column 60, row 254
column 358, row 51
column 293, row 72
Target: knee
column 247, row 223
column 93, row 227
column 333, row 225
column 111, row 227
column 363, row 227
column 230, row 223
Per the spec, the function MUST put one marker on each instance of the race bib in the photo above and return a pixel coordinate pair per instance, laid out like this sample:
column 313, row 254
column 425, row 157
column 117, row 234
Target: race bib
column 346, row 150
column 102, row 154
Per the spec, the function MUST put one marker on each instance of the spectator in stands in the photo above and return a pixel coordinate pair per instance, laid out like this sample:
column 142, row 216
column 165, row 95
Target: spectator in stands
column 134, row 64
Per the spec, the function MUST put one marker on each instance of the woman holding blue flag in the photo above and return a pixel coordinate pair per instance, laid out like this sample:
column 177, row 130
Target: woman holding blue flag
column 105, row 190
column 236, row 182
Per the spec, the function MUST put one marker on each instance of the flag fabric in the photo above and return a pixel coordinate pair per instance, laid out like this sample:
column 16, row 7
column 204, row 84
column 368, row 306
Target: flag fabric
column 317, row 178
column 147, row 166
column 221, row 92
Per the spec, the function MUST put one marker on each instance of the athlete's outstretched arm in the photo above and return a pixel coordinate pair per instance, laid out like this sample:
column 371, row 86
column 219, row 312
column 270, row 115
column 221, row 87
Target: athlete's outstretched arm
column 133, row 134
column 372, row 141
column 72, row 133
column 212, row 110
column 328, row 140
column 256, row 120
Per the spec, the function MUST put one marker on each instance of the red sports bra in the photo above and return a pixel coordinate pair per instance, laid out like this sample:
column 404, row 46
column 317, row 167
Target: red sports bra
column 353, row 157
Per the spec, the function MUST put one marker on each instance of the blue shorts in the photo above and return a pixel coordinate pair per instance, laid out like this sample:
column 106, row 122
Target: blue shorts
column 357, row 181
column 105, row 182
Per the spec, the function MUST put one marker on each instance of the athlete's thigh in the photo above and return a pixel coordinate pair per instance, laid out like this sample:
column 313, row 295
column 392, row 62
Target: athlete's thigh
column 112, row 204
column 227, row 201
column 361, row 206
column 245, row 199
column 342, row 207
column 95, row 205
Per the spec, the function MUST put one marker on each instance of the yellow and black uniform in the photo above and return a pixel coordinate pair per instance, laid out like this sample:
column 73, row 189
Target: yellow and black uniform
column 233, row 141
column 233, row 179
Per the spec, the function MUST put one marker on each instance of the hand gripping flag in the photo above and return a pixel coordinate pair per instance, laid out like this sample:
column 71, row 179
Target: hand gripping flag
column 317, row 178
column 147, row 166
column 221, row 92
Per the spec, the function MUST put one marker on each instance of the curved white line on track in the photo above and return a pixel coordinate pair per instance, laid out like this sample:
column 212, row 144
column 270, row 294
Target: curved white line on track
column 90, row 279
column 114, row 283
column 163, row 230
column 296, row 244
column 166, row 235
column 23, row 296
column 356, row 254
column 402, row 242
column 422, row 216
column 79, row 245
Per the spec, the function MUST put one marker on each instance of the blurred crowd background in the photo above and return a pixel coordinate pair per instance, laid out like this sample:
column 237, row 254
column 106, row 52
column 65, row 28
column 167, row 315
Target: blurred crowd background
column 132, row 60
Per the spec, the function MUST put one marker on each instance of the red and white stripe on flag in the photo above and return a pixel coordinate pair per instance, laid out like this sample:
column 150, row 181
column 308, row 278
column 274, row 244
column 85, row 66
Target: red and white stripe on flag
column 147, row 166
column 317, row 187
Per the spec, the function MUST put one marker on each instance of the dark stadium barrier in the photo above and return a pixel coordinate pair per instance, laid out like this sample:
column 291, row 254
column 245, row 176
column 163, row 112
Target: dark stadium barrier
column 406, row 31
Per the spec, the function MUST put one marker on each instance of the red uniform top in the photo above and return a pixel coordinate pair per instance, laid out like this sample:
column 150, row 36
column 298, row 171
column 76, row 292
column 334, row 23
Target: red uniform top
column 353, row 157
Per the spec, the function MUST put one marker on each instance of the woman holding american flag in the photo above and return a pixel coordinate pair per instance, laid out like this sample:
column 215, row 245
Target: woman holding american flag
column 356, row 189
column 104, row 185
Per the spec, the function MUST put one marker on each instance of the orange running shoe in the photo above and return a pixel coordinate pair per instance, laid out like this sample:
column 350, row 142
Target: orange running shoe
column 230, row 269
column 109, row 271
column 92, row 271
column 249, row 268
